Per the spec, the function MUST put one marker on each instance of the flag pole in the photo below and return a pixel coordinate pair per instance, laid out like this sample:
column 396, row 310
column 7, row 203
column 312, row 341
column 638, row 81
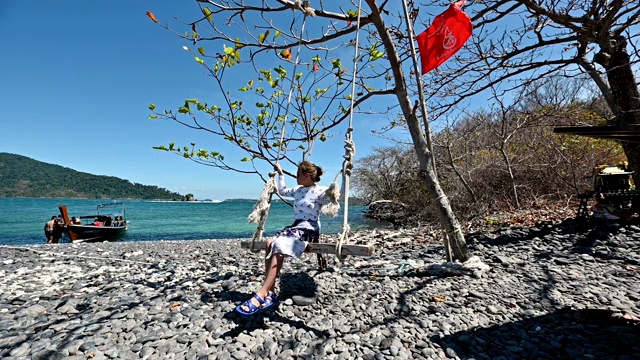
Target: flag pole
column 423, row 106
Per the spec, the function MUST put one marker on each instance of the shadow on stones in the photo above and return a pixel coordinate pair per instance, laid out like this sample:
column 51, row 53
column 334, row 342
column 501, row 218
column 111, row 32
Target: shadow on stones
column 291, row 284
column 564, row 334
column 297, row 284
column 247, row 324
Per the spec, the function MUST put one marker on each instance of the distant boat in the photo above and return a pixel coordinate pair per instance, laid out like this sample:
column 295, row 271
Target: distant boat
column 109, row 223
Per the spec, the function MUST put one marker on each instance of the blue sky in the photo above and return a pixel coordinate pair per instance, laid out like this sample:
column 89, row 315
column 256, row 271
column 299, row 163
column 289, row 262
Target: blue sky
column 76, row 82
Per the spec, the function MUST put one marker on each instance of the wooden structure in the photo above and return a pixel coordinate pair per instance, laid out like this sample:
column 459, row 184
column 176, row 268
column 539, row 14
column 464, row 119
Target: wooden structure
column 320, row 248
column 612, row 132
column 613, row 186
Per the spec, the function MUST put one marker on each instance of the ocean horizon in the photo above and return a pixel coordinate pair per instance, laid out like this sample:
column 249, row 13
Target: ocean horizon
column 23, row 219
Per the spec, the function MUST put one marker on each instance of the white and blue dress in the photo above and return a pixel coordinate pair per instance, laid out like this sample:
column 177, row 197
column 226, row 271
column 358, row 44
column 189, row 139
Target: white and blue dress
column 307, row 205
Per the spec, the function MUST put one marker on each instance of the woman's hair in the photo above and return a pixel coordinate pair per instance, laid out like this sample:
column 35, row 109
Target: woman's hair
column 312, row 169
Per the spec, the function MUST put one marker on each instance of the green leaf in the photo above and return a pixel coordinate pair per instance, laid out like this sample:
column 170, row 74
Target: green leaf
column 201, row 50
column 152, row 107
column 263, row 36
column 375, row 55
column 200, row 61
column 207, row 13
column 281, row 71
column 276, row 34
column 245, row 159
column 153, row 116
column 229, row 50
column 238, row 44
column 337, row 64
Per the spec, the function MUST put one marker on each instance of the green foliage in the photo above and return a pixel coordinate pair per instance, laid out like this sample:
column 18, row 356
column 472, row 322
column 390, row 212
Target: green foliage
column 25, row 177
column 374, row 53
column 207, row 12
column 255, row 105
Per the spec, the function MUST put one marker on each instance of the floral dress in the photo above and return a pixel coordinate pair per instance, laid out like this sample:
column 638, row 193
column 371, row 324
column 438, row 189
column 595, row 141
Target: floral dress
column 307, row 205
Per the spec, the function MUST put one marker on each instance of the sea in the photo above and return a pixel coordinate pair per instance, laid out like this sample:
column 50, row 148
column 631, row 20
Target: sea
column 22, row 221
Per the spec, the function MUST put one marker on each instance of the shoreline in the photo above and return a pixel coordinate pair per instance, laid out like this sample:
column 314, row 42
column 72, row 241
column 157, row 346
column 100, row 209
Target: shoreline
column 552, row 292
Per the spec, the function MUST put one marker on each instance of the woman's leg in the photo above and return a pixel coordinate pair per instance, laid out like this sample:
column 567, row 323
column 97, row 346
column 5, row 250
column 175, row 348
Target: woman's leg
column 272, row 267
column 274, row 264
column 267, row 251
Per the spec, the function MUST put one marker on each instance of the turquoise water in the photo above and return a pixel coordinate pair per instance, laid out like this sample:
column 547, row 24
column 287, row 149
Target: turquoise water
column 23, row 219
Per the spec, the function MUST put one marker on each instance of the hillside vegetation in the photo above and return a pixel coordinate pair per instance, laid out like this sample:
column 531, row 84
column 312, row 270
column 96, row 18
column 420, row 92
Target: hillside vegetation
column 21, row 176
column 500, row 160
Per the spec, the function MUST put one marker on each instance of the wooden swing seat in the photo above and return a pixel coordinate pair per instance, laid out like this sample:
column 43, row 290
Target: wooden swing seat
column 320, row 248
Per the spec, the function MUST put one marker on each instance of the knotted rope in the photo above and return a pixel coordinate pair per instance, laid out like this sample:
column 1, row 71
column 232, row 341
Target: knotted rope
column 261, row 209
column 349, row 146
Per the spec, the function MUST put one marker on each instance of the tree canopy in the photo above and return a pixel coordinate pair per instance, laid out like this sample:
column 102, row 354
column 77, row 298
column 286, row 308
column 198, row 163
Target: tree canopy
column 284, row 72
column 341, row 39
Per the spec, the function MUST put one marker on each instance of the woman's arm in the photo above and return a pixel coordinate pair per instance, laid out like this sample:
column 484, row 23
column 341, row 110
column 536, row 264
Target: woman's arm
column 280, row 184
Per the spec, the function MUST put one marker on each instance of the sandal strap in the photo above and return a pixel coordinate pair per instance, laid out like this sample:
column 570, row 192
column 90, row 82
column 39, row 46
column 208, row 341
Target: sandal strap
column 258, row 298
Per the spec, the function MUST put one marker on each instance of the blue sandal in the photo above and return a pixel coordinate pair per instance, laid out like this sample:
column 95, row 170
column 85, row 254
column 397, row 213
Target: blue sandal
column 253, row 308
column 270, row 300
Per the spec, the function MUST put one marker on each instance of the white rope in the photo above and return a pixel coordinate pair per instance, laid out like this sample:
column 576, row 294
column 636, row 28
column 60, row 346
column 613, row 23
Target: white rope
column 331, row 209
column 347, row 165
column 261, row 208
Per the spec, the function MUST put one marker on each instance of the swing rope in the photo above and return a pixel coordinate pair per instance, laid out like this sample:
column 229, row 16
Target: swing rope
column 333, row 192
column 349, row 146
column 261, row 208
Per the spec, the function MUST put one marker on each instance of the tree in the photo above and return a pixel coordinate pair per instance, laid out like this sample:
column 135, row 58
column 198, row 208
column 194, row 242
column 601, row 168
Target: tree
column 244, row 36
column 490, row 154
column 518, row 41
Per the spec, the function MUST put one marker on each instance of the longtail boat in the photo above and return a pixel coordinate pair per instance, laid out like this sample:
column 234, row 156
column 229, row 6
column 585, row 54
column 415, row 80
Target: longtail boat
column 107, row 224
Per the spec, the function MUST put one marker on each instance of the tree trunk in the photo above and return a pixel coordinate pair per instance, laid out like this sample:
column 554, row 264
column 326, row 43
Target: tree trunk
column 456, row 241
column 624, row 91
column 512, row 178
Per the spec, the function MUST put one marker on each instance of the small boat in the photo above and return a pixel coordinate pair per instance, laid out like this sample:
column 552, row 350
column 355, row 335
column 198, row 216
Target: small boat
column 108, row 223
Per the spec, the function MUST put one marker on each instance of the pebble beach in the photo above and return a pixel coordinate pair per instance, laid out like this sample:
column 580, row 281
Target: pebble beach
column 551, row 291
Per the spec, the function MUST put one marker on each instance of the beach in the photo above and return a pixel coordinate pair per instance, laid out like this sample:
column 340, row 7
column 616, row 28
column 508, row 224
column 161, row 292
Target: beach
column 552, row 291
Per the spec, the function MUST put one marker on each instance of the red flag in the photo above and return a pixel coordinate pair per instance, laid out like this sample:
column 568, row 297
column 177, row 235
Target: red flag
column 449, row 31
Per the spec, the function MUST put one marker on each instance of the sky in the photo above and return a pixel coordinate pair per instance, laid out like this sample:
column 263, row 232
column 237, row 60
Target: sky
column 76, row 82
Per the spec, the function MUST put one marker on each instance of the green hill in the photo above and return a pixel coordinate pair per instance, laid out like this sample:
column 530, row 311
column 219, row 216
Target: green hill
column 21, row 176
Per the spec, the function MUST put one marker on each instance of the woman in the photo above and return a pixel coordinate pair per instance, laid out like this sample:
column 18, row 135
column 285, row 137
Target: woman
column 292, row 240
